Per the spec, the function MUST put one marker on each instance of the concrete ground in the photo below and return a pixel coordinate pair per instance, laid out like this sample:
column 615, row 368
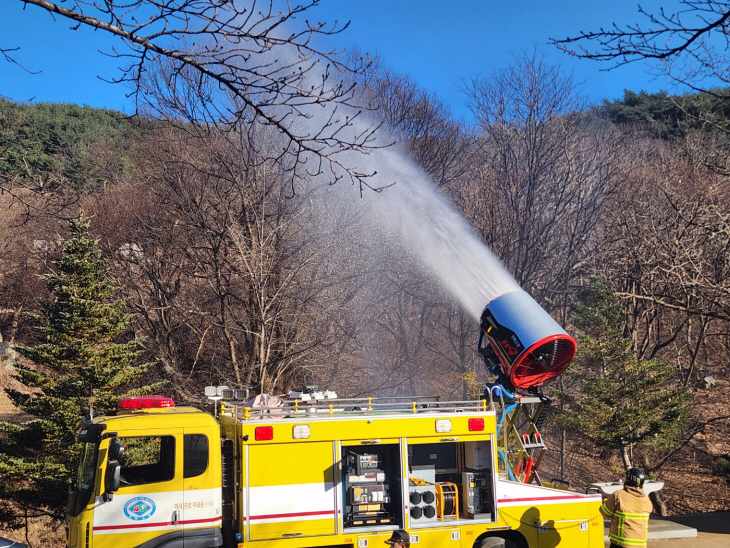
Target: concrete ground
column 713, row 531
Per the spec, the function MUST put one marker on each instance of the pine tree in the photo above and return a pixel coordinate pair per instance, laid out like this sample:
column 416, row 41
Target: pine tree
column 620, row 401
column 80, row 366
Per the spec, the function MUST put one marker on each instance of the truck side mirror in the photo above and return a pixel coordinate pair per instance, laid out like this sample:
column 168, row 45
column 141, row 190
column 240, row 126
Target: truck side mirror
column 112, row 480
column 116, row 450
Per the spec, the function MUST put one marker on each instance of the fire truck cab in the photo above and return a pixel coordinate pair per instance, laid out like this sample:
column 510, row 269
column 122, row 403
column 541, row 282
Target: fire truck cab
column 312, row 471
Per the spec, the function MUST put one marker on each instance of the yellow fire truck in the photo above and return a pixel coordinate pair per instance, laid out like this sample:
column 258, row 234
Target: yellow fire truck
column 312, row 470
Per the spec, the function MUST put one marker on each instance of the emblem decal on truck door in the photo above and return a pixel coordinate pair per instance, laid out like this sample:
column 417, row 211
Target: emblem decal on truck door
column 139, row 508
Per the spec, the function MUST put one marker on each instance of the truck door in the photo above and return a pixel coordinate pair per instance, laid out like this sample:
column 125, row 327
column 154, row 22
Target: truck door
column 147, row 508
column 202, row 493
column 291, row 490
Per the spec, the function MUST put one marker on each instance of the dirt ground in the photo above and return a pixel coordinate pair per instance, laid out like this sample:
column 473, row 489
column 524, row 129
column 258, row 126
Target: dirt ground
column 713, row 531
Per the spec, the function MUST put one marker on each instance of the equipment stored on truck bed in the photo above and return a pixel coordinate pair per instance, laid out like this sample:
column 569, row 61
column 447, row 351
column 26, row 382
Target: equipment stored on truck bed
column 323, row 472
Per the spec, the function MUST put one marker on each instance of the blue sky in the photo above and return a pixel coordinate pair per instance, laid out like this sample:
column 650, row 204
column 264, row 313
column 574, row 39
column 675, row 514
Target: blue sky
column 440, row 43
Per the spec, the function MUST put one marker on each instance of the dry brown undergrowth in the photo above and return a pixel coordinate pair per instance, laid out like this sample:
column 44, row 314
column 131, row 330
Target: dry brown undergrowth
column 43, row 532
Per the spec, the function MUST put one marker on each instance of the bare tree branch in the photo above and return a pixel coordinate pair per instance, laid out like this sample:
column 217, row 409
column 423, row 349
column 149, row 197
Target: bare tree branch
column 666, row 37
column 5, row 52
column 691, row 42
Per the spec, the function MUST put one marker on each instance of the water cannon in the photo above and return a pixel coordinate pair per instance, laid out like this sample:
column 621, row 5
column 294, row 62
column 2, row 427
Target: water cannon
column 526, row 347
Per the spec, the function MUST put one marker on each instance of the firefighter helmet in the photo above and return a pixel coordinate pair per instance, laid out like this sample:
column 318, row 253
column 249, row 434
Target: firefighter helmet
column 635, row 477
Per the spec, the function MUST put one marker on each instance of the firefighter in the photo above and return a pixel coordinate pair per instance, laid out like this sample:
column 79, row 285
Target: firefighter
column 399, row 539
column 629, row 510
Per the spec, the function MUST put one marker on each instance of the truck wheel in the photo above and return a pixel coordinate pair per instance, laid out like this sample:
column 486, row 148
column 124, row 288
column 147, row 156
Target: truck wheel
column 496, row 542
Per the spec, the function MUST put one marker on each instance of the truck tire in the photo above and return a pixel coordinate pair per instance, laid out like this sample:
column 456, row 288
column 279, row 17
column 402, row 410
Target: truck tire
column 496, row 542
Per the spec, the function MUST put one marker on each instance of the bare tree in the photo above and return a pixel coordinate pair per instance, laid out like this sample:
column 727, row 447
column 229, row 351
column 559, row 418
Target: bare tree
column 237, row 64
column 541, row 175
column 221, row 266
column 26, row 250
column 419, row 121
column 665, row 252
column 452, row 345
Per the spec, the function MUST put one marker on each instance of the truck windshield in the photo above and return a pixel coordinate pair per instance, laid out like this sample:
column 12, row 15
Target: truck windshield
column 87, row 468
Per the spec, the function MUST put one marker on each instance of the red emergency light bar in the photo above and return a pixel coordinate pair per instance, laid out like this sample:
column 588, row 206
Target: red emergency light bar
column 146, row 402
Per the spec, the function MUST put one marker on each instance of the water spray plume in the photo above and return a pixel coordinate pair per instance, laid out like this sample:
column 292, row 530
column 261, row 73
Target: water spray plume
column 531, row 348
column 426, row 226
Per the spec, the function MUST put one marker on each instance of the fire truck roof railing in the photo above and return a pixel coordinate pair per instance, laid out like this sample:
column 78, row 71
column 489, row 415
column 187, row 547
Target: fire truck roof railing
column 354, row 407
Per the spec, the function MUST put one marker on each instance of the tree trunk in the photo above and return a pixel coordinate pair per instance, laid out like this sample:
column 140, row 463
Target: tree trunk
column 232, row 353
column 626, row 457
column 14, row 325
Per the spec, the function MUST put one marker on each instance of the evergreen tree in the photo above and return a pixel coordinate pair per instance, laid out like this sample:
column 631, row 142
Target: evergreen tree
column 620, row 401
column 80, row 365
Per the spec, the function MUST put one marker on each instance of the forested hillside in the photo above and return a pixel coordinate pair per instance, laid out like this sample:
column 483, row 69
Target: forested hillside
column 615, row 218
column 61, row 145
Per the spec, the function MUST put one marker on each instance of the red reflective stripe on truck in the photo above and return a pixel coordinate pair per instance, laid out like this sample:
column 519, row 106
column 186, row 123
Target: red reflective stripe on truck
column 159, row 524
column 206, row 520
column 132, row 526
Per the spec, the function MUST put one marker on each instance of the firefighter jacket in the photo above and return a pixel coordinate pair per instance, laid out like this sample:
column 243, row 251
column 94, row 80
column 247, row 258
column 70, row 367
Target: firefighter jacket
column 629, row 510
